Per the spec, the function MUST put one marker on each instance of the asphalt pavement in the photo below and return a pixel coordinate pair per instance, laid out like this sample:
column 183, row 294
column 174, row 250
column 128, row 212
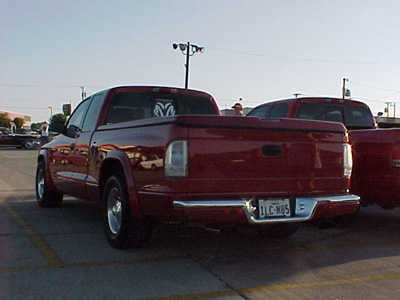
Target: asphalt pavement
column 62, row 253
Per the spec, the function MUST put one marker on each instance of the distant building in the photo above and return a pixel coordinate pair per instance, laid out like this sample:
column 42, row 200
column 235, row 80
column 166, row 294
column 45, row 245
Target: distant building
column 27, row 119
column 387, row 122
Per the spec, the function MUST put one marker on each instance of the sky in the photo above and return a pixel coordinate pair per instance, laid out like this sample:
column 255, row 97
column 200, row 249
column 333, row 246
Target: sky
column 255, row 50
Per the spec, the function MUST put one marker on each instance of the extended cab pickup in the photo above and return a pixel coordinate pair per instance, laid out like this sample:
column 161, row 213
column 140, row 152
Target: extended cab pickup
column 215, row 171
column 376, row 151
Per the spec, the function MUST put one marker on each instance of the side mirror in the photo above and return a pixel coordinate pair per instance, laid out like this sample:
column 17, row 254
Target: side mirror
column 58, row 126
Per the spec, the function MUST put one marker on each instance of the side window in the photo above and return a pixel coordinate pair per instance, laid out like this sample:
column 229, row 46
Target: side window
column 262, row 112
column 279, row 111
column 91, row 116
column 76, row 119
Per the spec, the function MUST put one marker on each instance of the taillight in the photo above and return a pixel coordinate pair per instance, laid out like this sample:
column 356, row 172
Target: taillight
column 176, row 159
column 396, row 155
column 347, row 160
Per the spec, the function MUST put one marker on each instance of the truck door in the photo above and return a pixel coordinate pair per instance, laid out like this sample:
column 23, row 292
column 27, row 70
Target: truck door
column 82, row 158
column 62, row 154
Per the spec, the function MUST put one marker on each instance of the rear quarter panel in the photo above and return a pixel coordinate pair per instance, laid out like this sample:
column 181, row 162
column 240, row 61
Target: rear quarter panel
column 374, row 178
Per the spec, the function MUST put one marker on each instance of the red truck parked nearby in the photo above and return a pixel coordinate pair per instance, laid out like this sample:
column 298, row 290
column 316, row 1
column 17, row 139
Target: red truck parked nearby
column 216, row 170
column 376, row 152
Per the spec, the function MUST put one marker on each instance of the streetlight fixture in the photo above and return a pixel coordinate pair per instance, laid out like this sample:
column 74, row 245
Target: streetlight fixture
column 188, row 50
column 345, row 92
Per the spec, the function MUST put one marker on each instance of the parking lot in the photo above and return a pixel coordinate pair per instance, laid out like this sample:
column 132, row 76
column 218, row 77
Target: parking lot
column 62, row 253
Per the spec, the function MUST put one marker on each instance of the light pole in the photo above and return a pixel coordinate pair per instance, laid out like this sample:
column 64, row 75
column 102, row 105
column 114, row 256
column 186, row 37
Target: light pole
column 51, row 111
column 188, row 50
column 345, row 92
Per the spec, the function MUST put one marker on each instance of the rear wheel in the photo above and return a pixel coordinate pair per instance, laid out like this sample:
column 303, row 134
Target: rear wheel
column 122, row 229
column 44, row 196
column 275, row 231
column 28, row 144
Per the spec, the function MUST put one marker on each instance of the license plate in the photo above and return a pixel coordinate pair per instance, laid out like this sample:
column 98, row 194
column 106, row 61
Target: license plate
column 274, row 208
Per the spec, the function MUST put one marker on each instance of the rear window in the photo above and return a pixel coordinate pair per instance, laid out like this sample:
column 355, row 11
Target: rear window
column 134, row 106
column 352, row 116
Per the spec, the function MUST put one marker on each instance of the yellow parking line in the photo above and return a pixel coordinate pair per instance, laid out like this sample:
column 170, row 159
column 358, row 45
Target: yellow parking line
column 278, row 287
column 200, row 296
column 94, row 264
column 321, row 283
column 49, row 255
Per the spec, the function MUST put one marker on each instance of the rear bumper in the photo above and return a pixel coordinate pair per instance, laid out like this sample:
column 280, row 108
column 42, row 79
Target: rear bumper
column 305, row 208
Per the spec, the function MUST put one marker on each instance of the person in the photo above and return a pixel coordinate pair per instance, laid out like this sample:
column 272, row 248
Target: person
column 238, row 108
column 44, row 132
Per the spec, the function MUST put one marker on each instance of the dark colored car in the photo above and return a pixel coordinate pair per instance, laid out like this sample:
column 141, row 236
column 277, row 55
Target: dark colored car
column 26, row 141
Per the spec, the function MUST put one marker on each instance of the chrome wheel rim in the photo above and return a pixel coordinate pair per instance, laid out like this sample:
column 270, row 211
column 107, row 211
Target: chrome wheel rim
column 40, row 184
column 28, row 145
column 114, row 210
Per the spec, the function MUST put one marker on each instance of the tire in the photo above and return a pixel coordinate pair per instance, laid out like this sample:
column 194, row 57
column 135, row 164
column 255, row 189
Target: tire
column 123, row 231
column 44, row 196
column 275, row 231
column 28, row 145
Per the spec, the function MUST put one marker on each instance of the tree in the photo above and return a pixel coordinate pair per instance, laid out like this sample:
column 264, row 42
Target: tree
column 35, row 126
column 58, row 117
column 4, row 120
column 19, row 122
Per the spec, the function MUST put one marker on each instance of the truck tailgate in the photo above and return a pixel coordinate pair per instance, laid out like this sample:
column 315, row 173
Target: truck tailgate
column 238, row 154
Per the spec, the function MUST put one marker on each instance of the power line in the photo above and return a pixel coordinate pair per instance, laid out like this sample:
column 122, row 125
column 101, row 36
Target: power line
column 307, row 59
column 373, row 87
column 20, row 107
column 47, row 86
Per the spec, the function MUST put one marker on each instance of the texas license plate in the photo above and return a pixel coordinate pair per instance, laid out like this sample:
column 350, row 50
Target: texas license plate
column 274, row 208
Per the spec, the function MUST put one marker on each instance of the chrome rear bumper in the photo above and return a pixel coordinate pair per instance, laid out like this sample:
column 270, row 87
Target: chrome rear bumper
column 305, row 207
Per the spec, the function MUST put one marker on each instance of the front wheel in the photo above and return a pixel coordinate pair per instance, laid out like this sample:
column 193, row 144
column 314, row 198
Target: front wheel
column 122, row 229
column 275, row 231
column 44, row 196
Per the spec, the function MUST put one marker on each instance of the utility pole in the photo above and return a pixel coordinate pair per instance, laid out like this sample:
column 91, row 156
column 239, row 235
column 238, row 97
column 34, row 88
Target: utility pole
column 344, row 91
column 83, row 92
column 388, row 105
column 187, row 66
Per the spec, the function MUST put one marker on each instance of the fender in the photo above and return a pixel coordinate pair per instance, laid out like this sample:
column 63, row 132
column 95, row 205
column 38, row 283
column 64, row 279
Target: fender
column 124, row 162
column 43, row 155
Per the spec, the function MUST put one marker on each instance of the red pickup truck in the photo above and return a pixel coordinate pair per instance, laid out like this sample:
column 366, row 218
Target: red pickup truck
column 208, row 169
column 376, row 151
